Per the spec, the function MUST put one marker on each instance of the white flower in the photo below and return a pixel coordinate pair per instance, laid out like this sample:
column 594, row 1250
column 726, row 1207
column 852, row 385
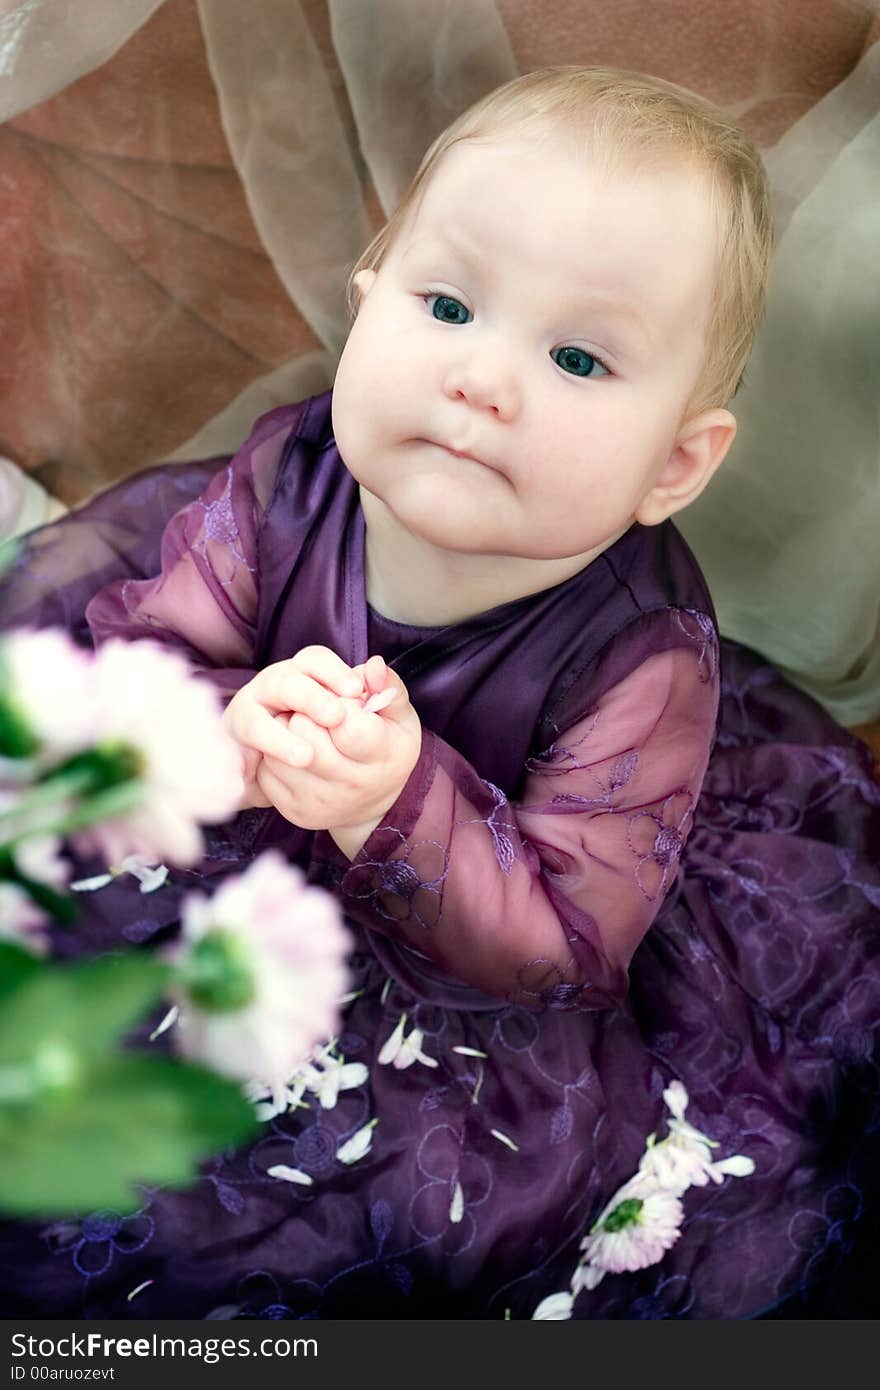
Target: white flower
column 402, row 1052
column 50, row 687
column 282, row 946
column 358, row 1145
column 636, row 1228
column 147, row 701
column 556, row 1307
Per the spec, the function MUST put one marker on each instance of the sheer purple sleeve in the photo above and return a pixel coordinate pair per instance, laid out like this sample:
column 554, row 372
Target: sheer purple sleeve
column 544, row 901
column 204, row 600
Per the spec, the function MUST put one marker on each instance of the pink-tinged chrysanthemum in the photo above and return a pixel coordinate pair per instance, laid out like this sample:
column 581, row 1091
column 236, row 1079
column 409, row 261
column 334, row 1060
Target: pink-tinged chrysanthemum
column 48, row 687
column 636, row 1228
column 262, row 965
column 168, row 724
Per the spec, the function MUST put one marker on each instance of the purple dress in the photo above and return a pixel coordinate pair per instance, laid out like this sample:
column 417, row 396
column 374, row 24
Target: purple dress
column 630, row 852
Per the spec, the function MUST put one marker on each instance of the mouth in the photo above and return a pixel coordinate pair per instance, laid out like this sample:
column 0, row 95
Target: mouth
column 457, row 453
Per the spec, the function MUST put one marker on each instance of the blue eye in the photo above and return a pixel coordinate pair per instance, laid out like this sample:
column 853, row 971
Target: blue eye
column 576, row 361
column 448, row 310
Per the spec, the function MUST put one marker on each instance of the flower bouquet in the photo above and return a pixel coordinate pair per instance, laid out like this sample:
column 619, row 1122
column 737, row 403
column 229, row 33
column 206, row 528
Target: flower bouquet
column 122, row 754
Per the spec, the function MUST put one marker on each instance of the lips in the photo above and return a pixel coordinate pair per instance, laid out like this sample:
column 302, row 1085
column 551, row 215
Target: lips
column 457, row 453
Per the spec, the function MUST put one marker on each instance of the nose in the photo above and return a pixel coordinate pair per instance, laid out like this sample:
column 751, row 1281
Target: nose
column 486, row 381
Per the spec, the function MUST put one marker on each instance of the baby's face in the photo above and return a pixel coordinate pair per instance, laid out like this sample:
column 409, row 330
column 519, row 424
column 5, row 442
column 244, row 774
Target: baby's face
column 517, row 373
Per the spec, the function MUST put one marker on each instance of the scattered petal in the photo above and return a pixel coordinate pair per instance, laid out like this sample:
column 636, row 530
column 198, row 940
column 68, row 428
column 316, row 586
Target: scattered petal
column 169, row 1019
column 675, row 1098
column 392, row 1044
column 737, row 1166
column 358, row 1145
column 470, row 1052
column 149, row 876
column 140, row 1288
column 281, row 1170
column 456, row 1206
column 505, row 1139
column 91, row 885
column 350, row 997
column 556, row 1307
column 411, row 1051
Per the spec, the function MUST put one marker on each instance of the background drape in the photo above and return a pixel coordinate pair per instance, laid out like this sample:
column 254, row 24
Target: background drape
column 185, row 186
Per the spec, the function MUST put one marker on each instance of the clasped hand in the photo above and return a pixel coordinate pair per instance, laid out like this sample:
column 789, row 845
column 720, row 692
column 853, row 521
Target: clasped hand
column 313, row 751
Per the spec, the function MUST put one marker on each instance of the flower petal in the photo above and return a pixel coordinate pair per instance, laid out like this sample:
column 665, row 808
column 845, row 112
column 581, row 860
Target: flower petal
column 358, row 1145
column 281, row 1170
column 737, row 1166
column 676, row 1098
column 556, row 1307
column 456, row 1206
column 392, row 1045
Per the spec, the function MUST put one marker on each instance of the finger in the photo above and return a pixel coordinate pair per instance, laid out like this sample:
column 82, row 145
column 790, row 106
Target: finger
column 360, row 737
column 286, row 799
column 380, row 681
column 374, row 674
column 256, row 728
column 328, row 763
column 325, row 666
column 284, row 687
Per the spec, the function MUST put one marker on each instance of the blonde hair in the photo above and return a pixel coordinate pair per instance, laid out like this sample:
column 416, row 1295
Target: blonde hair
column 627, row 120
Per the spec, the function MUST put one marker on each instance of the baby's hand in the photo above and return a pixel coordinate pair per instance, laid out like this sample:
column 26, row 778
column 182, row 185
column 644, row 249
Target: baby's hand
column 359, row 766
column 311, row 682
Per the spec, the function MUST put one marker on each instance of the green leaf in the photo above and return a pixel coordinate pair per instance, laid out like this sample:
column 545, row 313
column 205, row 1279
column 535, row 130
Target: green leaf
column 79, row 1008
column 17, row 738
column 137, row 1120
column 16, row 967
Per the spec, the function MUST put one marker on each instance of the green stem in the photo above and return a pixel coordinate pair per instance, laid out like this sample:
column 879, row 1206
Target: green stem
column 59, row 817
column 54, row 789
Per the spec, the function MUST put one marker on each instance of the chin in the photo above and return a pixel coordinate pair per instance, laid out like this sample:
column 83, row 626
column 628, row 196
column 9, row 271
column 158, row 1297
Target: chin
column 464, row 535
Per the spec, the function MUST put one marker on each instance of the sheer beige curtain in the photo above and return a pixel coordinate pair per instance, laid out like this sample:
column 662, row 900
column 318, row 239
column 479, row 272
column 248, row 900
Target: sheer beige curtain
column 187, row 183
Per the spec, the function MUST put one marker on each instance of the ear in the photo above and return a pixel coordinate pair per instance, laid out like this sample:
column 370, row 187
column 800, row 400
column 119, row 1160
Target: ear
column 698, row 450
column 362, row 284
